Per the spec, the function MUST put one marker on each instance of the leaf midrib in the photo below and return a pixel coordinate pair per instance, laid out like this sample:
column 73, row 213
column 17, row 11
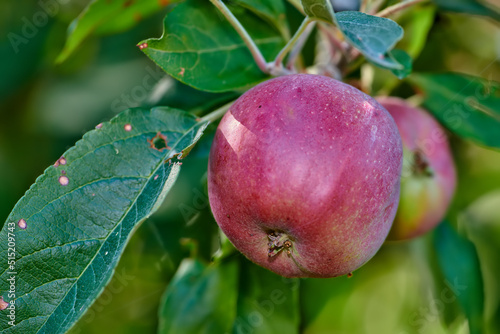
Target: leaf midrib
column 231, row 47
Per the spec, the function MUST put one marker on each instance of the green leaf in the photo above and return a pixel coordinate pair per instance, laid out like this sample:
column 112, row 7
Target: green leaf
column 459, row 263
column 469, row 7
column 417, row 24
column 319, row 9
column 201, row 49
column 482, row 223
column 72, row 225
column 273, row 11
column 373, row 36
column 108, row 17
column 393, row 293
column 468, row 106
column 267, row 303
column 200, row 299
column 404, row 59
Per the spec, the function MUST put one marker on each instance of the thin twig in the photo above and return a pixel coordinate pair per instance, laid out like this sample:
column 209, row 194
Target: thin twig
column 281, row 55
column 398, row 7
column 363, row 6
column 375, row 6
column 299, row 45
column 332, row 38
column 217, row 113
column 254, row 49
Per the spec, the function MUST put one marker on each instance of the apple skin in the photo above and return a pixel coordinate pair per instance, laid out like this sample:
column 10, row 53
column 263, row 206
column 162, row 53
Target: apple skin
column 428, row 179
column 304, row 175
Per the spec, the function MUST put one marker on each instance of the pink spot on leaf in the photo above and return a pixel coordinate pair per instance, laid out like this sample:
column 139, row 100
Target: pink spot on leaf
column 3, row 304
column 63, row 180
column 22, row 223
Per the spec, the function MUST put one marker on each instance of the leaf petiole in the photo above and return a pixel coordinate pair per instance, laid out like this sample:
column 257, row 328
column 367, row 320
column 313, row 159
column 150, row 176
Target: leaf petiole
column 254, row 49
column 301, row 39
column 276, row 67
column 398, row 7
column 217, row 113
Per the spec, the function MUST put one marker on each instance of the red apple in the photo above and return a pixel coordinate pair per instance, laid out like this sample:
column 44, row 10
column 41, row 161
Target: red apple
column 304, row 176
column 428, row 177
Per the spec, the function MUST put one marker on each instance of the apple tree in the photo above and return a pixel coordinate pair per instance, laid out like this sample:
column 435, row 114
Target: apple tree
column 250, row 166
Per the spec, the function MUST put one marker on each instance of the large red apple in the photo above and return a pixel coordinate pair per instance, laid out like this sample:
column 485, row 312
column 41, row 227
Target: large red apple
column 304, row 176
column 428, row 177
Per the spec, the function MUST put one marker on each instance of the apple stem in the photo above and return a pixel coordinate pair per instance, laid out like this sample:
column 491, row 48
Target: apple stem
column 254, row 49
column 295, row 52
column 302, row 30
column 398, row 7
column 363, row 6
column 373, row 8
column 217, row 113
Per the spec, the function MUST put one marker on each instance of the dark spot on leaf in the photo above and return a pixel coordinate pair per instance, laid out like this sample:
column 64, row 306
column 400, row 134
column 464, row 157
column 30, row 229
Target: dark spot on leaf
column 128, row 3
column 349, row 275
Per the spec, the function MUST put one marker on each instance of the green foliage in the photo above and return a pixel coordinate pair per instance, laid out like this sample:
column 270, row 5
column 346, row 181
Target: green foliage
column 84, row 239
column 319, row 9
column 468, row 106
column 373, row 36
column 73, row 224
column 200, row 299
column 460, row 265
column 272, row 11
column 201, row 50
column 482, row 225
column 108, row 17
column 267, row 303
column 469, row 7
column 404, row 59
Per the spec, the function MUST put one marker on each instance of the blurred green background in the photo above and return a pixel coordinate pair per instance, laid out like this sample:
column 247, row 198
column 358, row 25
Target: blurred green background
column 45, row 108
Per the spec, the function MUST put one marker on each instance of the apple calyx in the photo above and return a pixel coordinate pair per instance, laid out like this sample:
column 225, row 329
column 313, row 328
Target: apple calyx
column 278, row 241
column 420, row 165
